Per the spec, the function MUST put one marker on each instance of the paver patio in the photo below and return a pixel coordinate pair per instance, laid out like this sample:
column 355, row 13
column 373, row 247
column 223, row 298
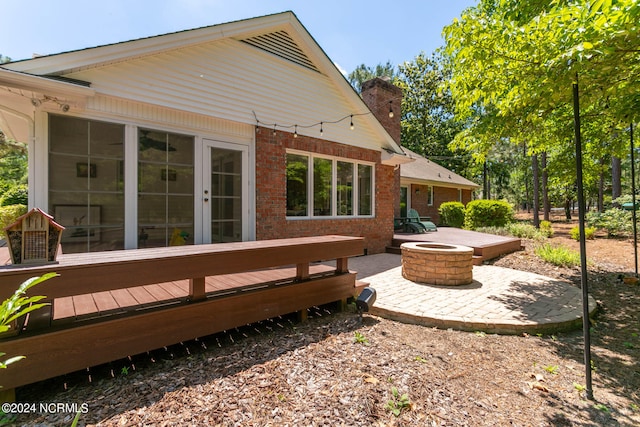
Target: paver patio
column 500, row 300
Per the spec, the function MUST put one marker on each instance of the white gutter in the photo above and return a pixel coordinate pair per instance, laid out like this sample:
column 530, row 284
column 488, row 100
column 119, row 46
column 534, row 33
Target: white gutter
column 34, row 83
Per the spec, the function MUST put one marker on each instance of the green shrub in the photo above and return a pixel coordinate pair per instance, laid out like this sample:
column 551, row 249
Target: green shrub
column 589, row 233
column 524, row 231
column 546, row 228
column 515, row 229
column 558, row 255
column 498, row 231
column 487, row 213
column 452, row 213
column 9, row 214
column 16, row 195
column 616, row 222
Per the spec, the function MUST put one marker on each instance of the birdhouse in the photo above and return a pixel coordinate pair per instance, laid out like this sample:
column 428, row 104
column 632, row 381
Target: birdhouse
column 34, row 238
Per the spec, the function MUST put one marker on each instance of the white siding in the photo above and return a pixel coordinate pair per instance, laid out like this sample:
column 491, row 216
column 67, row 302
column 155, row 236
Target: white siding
column 228, row 79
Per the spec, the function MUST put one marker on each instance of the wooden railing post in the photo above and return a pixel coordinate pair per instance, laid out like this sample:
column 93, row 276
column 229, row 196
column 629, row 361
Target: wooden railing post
column 196, row 289
column 302, row 272
column 342, row 265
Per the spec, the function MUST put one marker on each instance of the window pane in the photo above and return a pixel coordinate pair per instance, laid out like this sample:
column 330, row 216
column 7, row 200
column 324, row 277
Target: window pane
column 105, row 139
column 322, row 191
column 153, row 146
column 297, row 180
column 365, row 190
column 86, row 184
column 68, row 135
column 345, row 188
column 165, row 183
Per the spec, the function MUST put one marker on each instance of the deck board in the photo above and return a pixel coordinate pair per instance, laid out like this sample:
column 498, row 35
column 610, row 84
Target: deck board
column 158, row 292
column 176, row 289
column 123, row 298
column 141, row 295
column 70, row 308
column 105, row 302
column 84, row 305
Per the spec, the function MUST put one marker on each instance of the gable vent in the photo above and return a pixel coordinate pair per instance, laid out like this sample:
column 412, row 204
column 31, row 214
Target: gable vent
column 281, row 44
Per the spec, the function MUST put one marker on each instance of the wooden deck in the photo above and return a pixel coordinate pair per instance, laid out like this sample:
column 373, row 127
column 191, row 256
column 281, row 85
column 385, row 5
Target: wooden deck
column 485, row 246
column 110, row 305
column 122, row 301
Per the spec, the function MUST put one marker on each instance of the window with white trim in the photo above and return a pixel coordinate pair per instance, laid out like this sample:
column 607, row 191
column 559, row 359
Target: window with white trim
column 430, row 195
column 320, row 186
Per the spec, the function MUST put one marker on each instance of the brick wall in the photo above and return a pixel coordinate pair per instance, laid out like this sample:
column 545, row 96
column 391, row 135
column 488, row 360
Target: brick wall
column 440, row 195
column 271, row 197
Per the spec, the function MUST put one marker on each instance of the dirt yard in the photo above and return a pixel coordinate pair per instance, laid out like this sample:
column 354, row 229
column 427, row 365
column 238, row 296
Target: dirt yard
column 336, row 370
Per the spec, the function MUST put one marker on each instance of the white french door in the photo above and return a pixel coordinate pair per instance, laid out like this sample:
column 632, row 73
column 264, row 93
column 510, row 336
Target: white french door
column 225, row 192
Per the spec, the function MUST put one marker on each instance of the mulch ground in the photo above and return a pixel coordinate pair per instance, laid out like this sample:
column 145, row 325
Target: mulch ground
column 339, row 370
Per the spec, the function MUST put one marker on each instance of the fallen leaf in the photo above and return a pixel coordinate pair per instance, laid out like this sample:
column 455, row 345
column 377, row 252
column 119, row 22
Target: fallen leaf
column 538, row 377
column 536, row 385
column 371, row 380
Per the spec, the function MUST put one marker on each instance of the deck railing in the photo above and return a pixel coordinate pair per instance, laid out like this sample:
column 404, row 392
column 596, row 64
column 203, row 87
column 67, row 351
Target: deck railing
column 67, row 347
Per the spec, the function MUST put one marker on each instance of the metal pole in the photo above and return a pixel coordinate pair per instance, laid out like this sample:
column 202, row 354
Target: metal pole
column 633, row 199
column 583, row 245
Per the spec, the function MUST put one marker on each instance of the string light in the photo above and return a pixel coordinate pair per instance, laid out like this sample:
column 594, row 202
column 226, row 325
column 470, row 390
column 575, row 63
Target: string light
column 296, row 125
column 390, row 109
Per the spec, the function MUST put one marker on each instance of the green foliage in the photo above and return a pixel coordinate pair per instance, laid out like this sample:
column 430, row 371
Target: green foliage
column 428, row 121
column 487, row 213
column 9, row 214
column 18, row 305
column 13, row 163
column 558, row 255
column 546, row 228
column 589, row 233
column 359, row 338
column 512, row 66
column 15, row 195
column 616, row 222
column 398, row 402
column 524, row 231
column 452, row 213
column 515, row 229
column 552, row 369
column 363, row 73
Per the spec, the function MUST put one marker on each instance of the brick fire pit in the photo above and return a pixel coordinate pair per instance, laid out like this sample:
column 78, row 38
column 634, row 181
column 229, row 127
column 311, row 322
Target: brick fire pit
column 437, row 264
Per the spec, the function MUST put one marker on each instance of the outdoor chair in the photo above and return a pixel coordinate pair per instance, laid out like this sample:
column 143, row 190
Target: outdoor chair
column 422, row 224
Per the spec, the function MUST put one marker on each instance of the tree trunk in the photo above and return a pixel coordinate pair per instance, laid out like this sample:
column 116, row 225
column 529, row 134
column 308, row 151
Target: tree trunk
column 536, row 191
column 545, row 191
column 526, row 181
column 567, row 206
column 616, row 174
column 485, row 179
column 601, row 187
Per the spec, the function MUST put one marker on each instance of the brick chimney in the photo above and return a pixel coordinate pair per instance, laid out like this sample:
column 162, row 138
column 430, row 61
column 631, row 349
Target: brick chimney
column 377, row 93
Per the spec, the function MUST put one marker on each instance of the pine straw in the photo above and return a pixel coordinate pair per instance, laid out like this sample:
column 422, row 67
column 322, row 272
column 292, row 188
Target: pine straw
column 281, row 373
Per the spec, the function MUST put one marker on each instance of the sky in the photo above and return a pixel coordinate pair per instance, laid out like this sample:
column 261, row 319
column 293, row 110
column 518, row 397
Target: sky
column 351, row 32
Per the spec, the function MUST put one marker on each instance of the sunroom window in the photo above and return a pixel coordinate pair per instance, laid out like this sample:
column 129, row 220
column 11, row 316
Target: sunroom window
column 86, row 183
